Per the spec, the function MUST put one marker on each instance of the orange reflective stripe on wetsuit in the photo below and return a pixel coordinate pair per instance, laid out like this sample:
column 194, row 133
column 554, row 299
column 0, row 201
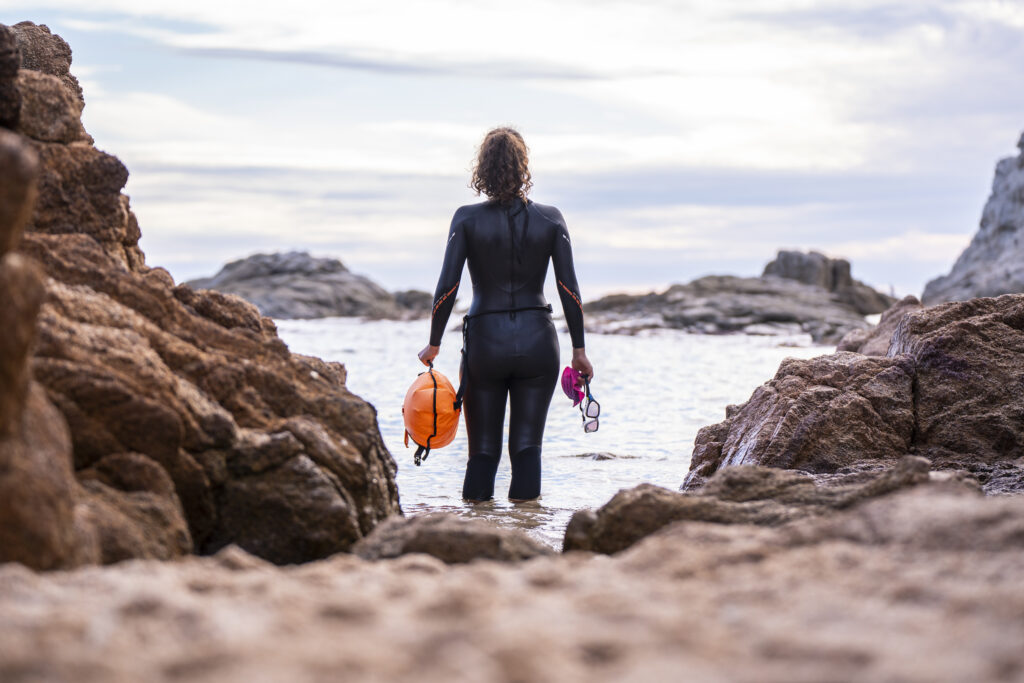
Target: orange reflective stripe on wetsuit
column 511, row 356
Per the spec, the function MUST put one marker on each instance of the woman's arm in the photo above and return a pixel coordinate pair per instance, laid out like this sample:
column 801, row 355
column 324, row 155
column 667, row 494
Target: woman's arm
column 569, row 293
column 447, row 286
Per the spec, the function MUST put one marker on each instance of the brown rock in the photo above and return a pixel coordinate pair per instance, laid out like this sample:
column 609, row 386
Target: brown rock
column 48, row 53
column 735, row 495
column 10, row 61
column 876, row 341
column 19, row 169
column 49, row 112
column 450, row 539
column 817, row 415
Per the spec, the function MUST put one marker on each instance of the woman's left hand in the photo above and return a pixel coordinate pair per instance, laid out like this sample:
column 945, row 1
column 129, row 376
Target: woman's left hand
column 428, row 354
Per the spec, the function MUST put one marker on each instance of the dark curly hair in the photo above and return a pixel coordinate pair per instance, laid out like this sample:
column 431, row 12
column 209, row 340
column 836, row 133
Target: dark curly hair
column 502, row 170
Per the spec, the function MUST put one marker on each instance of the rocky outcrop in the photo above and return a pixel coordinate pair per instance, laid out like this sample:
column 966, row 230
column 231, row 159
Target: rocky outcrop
column 755, row 495
column 832, row 275
column 875, row 342
column 793, row 297
column 450, row 539
column 921, row 586
column 948, row 390
column 993, row 263
column 10, row 62
column 297, row 285
column 182, row 421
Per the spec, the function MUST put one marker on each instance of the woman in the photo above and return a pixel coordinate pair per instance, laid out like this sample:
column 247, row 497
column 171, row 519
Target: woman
column 510, row 341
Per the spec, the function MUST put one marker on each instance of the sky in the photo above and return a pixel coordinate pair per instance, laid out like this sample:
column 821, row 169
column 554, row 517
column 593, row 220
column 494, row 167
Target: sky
column 678, row 138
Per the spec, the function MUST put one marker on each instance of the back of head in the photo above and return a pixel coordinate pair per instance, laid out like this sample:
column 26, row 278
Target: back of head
column 502, row 170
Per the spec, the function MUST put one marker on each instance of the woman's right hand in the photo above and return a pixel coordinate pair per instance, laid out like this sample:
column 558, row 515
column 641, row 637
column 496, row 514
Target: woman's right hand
column 582, row 364
column 428, row 354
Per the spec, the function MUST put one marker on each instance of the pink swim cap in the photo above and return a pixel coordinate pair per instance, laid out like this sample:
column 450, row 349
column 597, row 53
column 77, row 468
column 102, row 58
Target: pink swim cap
column 570, row 377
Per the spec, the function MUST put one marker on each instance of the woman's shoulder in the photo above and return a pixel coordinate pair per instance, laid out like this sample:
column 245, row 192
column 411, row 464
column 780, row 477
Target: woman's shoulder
column 549, row 212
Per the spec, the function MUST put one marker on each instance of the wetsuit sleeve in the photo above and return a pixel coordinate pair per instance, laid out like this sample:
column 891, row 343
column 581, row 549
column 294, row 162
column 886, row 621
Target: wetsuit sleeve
column 568, row 289
column 448, row 283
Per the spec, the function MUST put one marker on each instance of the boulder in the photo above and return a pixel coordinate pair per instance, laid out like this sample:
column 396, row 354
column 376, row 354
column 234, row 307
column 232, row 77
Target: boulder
column 875, row 342
column 297, row 285
column 830, row 274
column 817, row 415
column 450, row 539
column 754, row 495
column 47, row 53
column 993, row 263
column 145, row 419
column 10, row 62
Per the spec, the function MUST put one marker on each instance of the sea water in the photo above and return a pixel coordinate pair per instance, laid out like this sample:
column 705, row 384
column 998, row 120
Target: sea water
column 656, row 389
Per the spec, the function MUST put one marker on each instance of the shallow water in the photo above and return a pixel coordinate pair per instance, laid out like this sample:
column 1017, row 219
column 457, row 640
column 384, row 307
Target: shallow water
column 656, row 390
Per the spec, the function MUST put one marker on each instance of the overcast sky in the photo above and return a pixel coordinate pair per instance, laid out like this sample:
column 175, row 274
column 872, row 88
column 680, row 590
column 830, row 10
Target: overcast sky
column 678, row 138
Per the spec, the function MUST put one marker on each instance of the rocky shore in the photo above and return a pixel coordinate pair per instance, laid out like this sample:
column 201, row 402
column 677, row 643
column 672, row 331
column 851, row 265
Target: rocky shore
column 797, row 293
column 834, row 527
column 297, row 285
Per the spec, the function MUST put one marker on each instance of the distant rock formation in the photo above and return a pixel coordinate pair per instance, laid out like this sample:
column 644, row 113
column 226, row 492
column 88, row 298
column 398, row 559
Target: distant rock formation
column 140, row 419
column 807, row 293
column 297, row 285
column 993, row 263
column 832, row 275
column 949, row 389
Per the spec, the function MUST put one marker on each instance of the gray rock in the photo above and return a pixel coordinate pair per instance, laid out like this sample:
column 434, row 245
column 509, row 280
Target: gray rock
column 833, row 275
column 297, row 285
column 993, row 263
column 448, row 538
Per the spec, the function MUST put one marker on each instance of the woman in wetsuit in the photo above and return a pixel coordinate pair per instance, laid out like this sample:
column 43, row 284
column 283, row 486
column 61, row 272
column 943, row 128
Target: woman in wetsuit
column 511, row 344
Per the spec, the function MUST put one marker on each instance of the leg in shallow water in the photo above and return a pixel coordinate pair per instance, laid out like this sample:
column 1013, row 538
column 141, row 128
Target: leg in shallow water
column 484, row 406
column 529, row 398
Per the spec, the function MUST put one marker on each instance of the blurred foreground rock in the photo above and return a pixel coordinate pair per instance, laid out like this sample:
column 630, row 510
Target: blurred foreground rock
column 922, row 585
column 449, row 538
column 798, row 293
column 297, row 285
column 993, row 263
column 140, row 418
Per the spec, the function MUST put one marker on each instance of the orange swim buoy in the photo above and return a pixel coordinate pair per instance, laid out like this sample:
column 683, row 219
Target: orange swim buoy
column 431, row 412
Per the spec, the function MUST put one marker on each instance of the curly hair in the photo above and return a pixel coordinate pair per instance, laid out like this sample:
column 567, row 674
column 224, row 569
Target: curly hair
column 502, row 170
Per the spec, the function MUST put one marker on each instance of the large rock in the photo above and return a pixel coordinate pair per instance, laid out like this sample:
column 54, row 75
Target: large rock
column 875, row 342
column 755, row 495
column 722, row 304
column 950, row 390
column 10, row 62
column 993, row 263
column 450, row 539
column 47, row 53
column 833, row 275
column 187, row 424
column 297, row 285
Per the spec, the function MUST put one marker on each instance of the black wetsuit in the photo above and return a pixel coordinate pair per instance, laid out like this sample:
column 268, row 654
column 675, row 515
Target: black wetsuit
column 511, row 343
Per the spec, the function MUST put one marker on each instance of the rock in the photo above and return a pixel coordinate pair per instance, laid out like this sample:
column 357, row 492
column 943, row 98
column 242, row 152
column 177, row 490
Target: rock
column 736, row 495
column 158, row 420
column 949, row 390
column 10, row 62
column 798, row 292
column 921, row 585
column 297, row 285
column 818, row 415
column 450, row 539
column 876, row 341
column 49, row 112
column 969, row 400
column 47, row 53
column 833, row 275
column 993, row 263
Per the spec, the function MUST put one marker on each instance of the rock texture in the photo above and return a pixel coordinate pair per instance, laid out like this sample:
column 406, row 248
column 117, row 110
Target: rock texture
column 950, row 389
column 450, row 539
column 10, row 62
column 875, row 342
column 993, row 263
column 793, row 297
column 297, row 285
column 832, row 275
column 159, row 420
column 919, row 586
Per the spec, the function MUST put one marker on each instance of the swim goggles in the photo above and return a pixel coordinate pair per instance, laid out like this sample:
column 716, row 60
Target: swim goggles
column 590, row 409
